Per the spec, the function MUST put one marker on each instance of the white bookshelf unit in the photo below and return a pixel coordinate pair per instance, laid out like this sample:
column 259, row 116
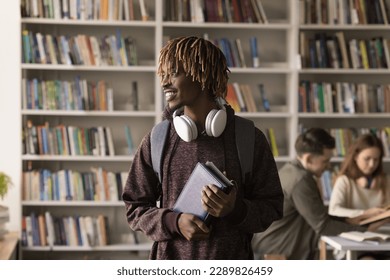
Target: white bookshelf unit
column 276, row 71
column 119, row 77
column 358, row 91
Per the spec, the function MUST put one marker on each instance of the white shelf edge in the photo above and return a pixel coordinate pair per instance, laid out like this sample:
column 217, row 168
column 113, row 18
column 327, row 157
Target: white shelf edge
column 266, row 68
column 113, row 247
column 264, row 114
column 344, row 115
column 135, row 68
column 369, row 27
column 48, row 21
column 118, row 158
column 283, row 159
column 85, row 203
column 88, row 113
column 332, row 71
column 280, row 25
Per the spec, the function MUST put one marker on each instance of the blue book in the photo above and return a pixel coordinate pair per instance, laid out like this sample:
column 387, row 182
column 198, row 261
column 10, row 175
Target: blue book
column 129, row 140
column 56, row 187
column 189, row 200
column 254, row 52
column 68, row 174
column 35, row 90
column 264, row 98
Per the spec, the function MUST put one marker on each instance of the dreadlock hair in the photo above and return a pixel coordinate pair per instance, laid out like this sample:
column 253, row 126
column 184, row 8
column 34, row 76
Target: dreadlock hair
column 201, row 60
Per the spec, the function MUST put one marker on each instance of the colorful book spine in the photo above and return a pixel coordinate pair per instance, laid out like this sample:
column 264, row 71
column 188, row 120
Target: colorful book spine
column 254, row 52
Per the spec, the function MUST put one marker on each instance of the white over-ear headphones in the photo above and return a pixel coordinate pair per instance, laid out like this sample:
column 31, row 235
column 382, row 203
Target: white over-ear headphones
column 186, row 127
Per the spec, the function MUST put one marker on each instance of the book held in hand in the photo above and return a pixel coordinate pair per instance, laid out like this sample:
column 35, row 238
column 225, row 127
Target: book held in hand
column 189, row 200
column 367, row 236
column 376, row 218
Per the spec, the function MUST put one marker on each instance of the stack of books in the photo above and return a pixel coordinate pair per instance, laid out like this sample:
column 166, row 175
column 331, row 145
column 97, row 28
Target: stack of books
column 4, row 218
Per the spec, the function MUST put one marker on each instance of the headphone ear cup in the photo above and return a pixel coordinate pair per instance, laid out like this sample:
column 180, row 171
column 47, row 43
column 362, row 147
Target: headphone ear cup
column 208, row 122
column 185, row 128
column 216, row 124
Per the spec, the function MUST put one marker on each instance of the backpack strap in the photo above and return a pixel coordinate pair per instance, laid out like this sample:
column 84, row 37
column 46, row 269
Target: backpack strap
column 157, row 141
column 245, row 143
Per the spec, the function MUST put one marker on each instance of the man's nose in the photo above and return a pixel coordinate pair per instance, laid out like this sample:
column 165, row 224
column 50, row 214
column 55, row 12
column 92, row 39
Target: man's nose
column 165, row 80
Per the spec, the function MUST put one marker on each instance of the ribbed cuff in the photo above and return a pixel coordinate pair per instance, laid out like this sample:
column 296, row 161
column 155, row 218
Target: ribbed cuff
column 238, row 214
column 170, row 220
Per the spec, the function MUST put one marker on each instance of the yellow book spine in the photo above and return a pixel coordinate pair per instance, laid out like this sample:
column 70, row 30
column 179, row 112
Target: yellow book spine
column 272, row 139
column 363, row 51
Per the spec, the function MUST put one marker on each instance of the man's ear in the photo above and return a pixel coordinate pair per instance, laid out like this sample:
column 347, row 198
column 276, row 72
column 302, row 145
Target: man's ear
column 307, row 158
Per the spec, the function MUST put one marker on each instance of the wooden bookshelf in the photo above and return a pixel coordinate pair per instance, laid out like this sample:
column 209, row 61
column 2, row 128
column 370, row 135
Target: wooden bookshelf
column 9, row 246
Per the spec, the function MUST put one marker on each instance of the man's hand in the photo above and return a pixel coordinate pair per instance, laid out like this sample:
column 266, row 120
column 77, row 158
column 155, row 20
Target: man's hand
column 216, row 202
column 192, row 228
column 376, row 225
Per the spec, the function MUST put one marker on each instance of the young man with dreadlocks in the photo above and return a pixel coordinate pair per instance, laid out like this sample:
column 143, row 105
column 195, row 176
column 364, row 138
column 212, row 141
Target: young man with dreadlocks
column 194, row 77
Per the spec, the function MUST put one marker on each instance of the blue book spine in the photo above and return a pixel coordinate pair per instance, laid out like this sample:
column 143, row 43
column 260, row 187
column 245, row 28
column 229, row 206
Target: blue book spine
column 27, row 57
column 29, row 94
column 41, row 185
column 264, row 98
column 56, row 187
column 45, row 141
column 78, row 94
column 78, row 230
column 67, row 180
column 129, row 140
column 35, row 90
column 254, row 52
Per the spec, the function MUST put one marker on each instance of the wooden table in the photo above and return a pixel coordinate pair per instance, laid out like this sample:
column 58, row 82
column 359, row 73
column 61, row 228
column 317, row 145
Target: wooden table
column 9, row 246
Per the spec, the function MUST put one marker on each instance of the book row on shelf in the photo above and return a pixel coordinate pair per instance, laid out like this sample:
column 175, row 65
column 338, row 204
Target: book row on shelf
column 324, row 50
column 343, row 12
column 70, row 140
column 343, row 97
column 232, row 49
column 345, row 137
column 86, row 9
column 79, row 94
column 47, row 230
column 114, row 50
column 71, row 185
column 80, row 49
column 242, row 99
column 251, row 11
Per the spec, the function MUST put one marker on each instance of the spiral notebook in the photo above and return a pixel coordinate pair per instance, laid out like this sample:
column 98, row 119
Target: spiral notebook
column 189, row 200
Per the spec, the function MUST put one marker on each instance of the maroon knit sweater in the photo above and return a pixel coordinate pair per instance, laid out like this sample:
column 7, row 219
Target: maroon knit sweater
column 258, row 204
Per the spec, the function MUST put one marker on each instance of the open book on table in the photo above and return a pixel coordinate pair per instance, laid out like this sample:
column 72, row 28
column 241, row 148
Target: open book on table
column 190, row 199
column 367, row 236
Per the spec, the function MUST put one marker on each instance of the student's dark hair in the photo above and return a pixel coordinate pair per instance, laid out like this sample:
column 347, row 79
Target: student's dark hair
column 201, row 60
column 365, row 141
column 314, row 141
